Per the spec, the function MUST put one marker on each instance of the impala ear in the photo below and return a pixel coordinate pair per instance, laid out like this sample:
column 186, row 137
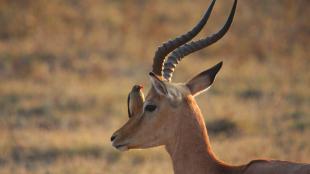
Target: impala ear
column 204, row 80
column 158, row 84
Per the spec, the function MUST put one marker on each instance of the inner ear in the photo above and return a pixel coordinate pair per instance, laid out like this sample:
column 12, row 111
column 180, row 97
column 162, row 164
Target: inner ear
column 158, row 84
column 204, row 80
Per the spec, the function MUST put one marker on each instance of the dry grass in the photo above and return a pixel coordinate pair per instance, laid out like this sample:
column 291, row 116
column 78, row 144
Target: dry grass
column 66, row 68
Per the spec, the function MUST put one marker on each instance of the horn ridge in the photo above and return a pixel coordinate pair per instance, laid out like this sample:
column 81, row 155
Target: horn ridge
column 186, row 49
column 171, row 45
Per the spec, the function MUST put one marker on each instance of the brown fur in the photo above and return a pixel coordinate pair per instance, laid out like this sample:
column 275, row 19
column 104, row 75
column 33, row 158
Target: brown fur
column 181, row 129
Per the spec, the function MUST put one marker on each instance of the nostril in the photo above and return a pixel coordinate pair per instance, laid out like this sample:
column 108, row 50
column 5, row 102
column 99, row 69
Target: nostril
column 113, row 137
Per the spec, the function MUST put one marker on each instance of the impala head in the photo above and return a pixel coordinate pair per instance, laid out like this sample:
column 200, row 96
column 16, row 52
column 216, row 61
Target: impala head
column 166, row 103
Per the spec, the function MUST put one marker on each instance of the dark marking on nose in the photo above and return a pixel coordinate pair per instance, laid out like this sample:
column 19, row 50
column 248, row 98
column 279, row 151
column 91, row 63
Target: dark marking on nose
column 113, row 137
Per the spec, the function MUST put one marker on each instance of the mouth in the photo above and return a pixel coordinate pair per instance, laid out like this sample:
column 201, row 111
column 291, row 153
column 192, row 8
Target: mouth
column 121, row 147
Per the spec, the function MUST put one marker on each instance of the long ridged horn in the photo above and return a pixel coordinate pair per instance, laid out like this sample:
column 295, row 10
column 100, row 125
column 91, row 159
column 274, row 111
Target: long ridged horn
column 177, row 55
column 170, row 45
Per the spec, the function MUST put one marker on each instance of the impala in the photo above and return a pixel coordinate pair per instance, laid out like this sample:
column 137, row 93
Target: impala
column 170, row 116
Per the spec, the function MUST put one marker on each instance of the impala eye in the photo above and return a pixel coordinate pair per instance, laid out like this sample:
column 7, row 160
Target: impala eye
column 150, row 108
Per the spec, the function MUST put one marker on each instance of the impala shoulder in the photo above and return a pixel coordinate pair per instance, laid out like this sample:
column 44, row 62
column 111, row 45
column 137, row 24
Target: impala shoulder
column 257, row 162
column 253, row 165
column 276, row 166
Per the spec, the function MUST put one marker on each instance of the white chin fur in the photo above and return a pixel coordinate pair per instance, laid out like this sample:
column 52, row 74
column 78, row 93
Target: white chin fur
column 123, row 148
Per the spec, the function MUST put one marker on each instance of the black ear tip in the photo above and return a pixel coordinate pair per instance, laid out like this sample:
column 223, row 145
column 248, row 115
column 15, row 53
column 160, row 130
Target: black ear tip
column 214, row 70
column 219, row 65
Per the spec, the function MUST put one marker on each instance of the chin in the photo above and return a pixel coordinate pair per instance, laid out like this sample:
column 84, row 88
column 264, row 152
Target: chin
column 126, row 147
column 123, row 148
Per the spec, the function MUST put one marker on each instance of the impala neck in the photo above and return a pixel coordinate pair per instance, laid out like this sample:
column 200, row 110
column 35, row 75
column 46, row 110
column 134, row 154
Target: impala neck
column 190, row 149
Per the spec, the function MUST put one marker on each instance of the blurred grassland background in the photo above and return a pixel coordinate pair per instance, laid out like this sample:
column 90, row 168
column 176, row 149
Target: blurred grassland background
column 66, row 68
